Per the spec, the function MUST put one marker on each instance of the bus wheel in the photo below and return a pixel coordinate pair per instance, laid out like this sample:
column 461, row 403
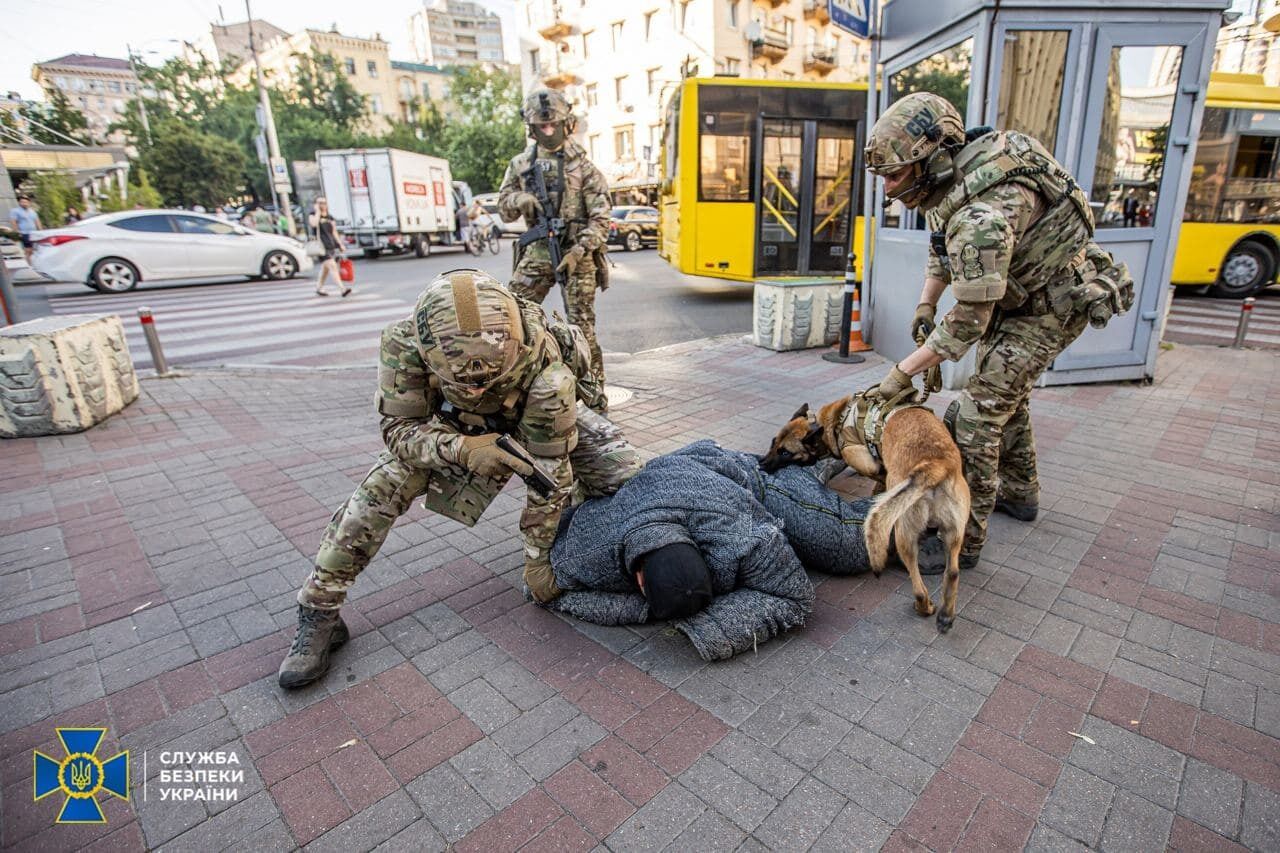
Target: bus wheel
column 1248, row 267
column 422, row 246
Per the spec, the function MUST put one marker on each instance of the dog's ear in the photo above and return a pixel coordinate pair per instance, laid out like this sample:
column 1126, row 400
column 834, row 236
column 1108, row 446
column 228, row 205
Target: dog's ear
column 802, row 412
column 813, row 439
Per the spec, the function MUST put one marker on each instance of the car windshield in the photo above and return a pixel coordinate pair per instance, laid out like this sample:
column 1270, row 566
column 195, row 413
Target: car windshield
column 621, row 212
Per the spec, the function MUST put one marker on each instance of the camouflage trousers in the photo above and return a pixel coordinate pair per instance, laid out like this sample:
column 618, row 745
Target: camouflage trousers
column 993, row 421
column 533, row 279
column 601, row 463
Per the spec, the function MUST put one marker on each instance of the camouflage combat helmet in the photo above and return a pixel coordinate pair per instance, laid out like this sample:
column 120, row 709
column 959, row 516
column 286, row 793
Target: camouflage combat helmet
column 472, row 338
column 922, row 128
column 548, row 106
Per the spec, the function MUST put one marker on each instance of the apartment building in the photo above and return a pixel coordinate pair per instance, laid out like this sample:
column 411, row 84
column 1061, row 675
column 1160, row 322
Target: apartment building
column 390, row 87
column 456, row 32
column 101, row 87
column 618, row 62
column 1250, row 45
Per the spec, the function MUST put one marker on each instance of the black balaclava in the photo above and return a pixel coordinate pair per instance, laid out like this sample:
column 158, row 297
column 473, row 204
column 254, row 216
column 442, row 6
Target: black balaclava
column 677, row 581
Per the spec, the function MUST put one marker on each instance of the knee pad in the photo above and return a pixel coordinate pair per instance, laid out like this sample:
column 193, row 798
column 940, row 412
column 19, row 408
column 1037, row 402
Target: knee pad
column 949, row 417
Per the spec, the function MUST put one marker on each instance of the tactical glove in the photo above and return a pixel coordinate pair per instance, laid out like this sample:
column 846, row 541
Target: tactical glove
column 541, row 581
column 893, row 384
column 571, row 259
column 481, row 455
column 527, row 204
column 922, row 324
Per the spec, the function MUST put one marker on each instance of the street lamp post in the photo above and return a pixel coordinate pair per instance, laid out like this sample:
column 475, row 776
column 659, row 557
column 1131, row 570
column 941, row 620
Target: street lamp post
column 283, row 187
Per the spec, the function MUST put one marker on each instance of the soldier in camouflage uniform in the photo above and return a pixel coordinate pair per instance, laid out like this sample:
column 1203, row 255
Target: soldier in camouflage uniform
column 1011, row 233
column 472, row 363
column 579, row 193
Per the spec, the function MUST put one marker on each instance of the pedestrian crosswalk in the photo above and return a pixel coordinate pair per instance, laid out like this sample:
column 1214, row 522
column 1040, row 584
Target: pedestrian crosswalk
column 280, row 323
column 1205, row 320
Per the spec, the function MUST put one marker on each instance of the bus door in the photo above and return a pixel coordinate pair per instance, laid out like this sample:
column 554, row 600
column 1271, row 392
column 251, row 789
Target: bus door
column 806, row 181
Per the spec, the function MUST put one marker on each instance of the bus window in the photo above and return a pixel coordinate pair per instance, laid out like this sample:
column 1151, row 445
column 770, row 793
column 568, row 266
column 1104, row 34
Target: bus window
column 1035, row 63
column 671, row 139
column 1135, row 132
column 724, row 172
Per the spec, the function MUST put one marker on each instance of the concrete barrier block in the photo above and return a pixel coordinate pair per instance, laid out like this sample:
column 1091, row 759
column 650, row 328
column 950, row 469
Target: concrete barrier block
column 63, row 374
column 796, row 313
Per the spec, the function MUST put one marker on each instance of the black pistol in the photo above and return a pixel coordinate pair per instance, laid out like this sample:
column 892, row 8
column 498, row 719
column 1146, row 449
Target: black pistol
column 539, row 480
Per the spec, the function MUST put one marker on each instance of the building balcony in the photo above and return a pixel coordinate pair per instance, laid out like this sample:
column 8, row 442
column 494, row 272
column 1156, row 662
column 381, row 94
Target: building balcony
column 773, row 4
column 555, row 29
column 771, row 44
column 820, row 59
column 560, row 78
column 817, row 11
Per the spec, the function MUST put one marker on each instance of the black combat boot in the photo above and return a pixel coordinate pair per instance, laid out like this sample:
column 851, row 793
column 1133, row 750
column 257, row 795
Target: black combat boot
column 968, row 561
column 319, row 633
column 1023, row 511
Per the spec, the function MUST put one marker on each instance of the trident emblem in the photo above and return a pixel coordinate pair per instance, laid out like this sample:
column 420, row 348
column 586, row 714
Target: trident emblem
column 81, row 775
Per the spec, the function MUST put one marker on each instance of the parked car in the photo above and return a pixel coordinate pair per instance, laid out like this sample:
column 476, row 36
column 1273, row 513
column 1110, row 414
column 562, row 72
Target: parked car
column 489, row 201
column 115, row 251
column 633, row 227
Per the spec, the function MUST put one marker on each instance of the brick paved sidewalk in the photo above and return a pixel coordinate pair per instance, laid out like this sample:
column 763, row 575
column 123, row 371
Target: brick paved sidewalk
column 1112, row 680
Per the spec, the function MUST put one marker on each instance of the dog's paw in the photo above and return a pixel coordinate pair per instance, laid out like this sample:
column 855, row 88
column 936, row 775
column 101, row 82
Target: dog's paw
column 944, row 622
column 924, row 606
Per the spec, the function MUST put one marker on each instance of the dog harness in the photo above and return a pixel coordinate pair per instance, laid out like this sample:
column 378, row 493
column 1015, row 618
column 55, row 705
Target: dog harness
column 867, row 415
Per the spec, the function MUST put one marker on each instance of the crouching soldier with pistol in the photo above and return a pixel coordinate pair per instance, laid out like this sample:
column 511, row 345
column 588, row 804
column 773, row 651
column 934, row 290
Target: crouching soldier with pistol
column 476, row 386
column 564, row 200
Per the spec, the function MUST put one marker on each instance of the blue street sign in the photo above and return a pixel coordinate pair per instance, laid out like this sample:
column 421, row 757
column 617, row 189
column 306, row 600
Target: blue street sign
column 850, row 15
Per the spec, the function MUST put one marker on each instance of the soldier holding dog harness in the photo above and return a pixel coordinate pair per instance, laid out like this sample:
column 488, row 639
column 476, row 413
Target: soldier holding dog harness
column 1012, row 235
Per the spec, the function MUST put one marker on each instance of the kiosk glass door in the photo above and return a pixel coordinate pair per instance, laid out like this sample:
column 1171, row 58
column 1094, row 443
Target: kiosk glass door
column 807, row 177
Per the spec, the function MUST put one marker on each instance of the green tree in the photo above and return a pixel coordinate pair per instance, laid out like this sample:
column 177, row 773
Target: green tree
column 319, row 86
column 53, row 193
column 486, row 130
column 138, row 192
column 191, row 166
column 945, row 73
column 52, row 122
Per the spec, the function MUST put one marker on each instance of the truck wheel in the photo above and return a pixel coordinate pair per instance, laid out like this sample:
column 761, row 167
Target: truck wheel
column 422, row 245
column 1248, row 267
column 372, row 253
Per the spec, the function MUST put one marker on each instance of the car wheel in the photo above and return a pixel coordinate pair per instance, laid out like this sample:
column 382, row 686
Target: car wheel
column 1248, row 267
column 372, row 253
column 422, row 246
column 633, row 241
column 114, row 275
column 279, row 266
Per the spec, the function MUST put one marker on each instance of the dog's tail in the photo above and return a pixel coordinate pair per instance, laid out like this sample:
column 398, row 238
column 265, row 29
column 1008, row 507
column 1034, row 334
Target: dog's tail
column 890, row 506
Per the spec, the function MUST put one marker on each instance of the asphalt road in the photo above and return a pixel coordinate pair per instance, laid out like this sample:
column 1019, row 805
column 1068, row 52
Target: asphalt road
column 647, row 305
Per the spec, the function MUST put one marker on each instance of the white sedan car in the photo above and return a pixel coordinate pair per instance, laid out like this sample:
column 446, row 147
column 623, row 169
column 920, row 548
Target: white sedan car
column 115, row 251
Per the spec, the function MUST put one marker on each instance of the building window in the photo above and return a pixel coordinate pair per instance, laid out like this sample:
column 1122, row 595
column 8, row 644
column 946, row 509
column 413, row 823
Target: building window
column 624, row 143
column 130, row 88
column 593, row 95
column 375, row 104
column 95, row 85
column 733, row 14
column 648, row 24
column 593, row 145
column 732, row 66
column 426, row 91
column 619, row 86
column 535, row 67
column 372, row 68
column 351, row 66
column 788, row 29
column 113, row 86
column 78, row 84
column 615, row 31
column 651, row 80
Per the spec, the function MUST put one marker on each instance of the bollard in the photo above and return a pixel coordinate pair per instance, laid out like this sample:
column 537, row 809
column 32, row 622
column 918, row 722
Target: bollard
column 153, row 342
column 1242, row 327
column 8, row 299
column 846, row 314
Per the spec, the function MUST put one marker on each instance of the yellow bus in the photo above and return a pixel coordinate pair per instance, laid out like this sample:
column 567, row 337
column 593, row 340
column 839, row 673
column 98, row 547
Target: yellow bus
column 762, row 178
column 1230, row 237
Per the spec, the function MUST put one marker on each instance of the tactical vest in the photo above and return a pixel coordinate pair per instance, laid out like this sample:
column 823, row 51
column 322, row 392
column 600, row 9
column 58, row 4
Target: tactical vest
column 1048, row 256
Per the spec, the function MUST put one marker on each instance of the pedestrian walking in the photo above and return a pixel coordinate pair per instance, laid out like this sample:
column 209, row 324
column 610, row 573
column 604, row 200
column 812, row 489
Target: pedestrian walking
column 25, row 220
column 580, row 195
column 327, row 231
column 1012, row 235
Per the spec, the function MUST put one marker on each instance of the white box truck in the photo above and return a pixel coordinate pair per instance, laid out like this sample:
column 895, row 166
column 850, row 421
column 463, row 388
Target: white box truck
column 390, row 200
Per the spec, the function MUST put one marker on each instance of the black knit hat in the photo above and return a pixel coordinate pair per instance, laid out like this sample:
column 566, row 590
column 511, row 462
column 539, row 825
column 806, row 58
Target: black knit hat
column 677, row 581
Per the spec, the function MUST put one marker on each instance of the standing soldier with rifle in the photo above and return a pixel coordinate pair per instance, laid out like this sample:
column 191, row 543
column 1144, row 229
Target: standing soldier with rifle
column 565, row 202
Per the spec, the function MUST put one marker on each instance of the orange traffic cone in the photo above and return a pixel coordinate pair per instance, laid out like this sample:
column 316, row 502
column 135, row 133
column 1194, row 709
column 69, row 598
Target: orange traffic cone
column 856, row 343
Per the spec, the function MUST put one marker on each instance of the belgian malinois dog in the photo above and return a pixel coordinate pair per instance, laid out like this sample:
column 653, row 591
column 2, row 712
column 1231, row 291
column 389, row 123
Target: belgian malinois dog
column 923, row 478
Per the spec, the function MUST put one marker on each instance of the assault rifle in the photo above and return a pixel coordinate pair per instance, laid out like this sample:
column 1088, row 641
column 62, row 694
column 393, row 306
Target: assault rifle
column 550, row 226
column 539, row 481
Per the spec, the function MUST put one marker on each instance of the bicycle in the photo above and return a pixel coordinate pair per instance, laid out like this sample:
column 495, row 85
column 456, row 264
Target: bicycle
column 481, row 238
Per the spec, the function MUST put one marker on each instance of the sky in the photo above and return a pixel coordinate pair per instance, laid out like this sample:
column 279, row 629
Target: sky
column 40, row 30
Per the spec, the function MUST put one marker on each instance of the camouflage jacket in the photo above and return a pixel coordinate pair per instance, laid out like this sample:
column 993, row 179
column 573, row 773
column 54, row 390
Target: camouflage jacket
column 584, row 199
column 1012, row 224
